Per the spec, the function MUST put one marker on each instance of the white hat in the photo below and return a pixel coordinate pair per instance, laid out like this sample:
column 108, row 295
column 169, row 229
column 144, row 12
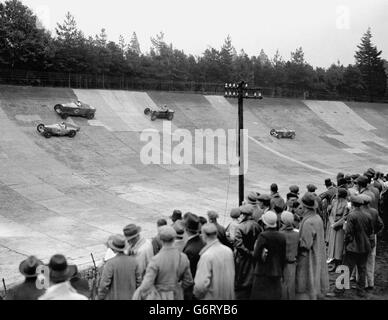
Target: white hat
column 270, row 219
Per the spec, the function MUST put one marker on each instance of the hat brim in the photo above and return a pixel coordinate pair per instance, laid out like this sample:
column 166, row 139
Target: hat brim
column 26, row 275
column 315, row 206
column 135, row 235
column 113, row 247
column 60, row 276
column 268, row 224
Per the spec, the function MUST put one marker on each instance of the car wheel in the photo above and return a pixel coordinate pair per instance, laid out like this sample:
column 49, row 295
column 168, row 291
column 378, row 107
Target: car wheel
column 293, row 136
column 47, row 135
column 64, row 116
column 147, row 111
column 153, row 116
column 273, row 132
column 72, row 133
column 90, row 116
column 170, row 116
column 40, row 128
column 57, row 108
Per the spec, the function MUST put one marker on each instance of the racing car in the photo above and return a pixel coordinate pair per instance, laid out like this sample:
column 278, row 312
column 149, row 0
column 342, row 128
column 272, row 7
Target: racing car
column 162, row 113
column 58, row 129
column 283, row 133
column 78, row 109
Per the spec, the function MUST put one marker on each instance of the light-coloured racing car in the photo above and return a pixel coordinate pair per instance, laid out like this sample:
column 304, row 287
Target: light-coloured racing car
column 283, row 133
column 58, row 129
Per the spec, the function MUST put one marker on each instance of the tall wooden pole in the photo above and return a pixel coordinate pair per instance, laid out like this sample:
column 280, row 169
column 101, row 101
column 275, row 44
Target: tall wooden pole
column 241, row 142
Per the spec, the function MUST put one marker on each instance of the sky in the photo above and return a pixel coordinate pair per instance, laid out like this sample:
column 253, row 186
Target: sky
column 328, row 31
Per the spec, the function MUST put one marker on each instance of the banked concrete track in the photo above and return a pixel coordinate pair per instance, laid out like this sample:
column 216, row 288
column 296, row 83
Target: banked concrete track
column 67, row 196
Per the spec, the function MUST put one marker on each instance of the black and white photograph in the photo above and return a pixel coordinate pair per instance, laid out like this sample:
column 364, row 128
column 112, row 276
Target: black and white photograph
column 177, row 150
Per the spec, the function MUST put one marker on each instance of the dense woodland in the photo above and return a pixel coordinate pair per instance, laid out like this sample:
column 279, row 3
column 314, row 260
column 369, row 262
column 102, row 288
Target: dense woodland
column 26, row 45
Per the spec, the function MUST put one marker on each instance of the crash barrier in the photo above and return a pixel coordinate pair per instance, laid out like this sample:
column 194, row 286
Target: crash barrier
column 103, row 81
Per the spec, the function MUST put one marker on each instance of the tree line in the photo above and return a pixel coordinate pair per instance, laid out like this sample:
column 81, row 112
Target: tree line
column 26, row 45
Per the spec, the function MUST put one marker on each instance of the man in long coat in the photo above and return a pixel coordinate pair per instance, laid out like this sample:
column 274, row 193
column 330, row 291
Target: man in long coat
column 312, row 278
column 214, row 279
column 246, row 235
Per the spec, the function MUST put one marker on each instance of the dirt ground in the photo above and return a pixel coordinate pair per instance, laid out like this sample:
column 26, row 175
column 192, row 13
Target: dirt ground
column 380, row 291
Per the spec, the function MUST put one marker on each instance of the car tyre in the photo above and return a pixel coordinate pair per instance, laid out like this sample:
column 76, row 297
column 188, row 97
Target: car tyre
column 40, row 128
column 154, row 116
column 90, row 116
column 293, row 136
column 57, row 108
column 147, row 111
column 72, row 133
column 170, row 116
column 47, row 135
column 64, row 116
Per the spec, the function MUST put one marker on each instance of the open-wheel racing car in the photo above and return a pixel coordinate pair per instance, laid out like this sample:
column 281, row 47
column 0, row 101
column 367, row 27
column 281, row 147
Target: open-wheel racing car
column 58, row 129
column 283, row 133
column 78, row 109
column 162, row 113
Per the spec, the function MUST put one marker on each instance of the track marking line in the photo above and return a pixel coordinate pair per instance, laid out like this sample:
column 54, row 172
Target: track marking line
column 289, row 158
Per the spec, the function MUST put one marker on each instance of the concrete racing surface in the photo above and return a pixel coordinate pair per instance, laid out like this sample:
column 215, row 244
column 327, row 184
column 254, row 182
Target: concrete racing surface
column 64, row 195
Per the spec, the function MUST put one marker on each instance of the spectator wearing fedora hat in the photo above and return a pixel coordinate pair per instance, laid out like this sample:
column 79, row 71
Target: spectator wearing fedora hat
column 358, row 233
column 270, row 257
column 176, row 215
column 138, row 246
column 60, row 287
column 192, row 248
column 294, row 189
column 121, row 275
column 168, row 273
column 246, row 234
column 312, row 279
column 28, row 289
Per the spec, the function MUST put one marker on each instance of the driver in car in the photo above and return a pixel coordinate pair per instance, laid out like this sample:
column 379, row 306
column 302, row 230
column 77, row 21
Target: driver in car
column 163, row 108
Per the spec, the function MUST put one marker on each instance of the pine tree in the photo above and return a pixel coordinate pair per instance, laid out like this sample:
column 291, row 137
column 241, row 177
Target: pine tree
column 134, row 45
column 227, row 55
column 371, row 65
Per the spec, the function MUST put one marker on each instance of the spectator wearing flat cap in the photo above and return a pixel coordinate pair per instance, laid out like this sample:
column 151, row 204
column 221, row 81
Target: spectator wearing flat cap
column 156, row 242
column 292, row 240
column 270, row 257
column 168, row 273
column 384, row 208
column 221, row 232
column 28, row 289
column 362, row 183
column 181, row 238
column 312, row 188
column 294, row 189
column 252, row 200
column 60, row 287
column 192, row 248
column 378, row 226
column 291, row 198
column 138, row 246
column 215, row 275
column 329, row 194
column 246, row 234
column 374, row 189
column 276, row 200
column 336, row 233
column 264, row 201
column 121, row 274
column 235, row 214
column 312, row 279
column 358, row 232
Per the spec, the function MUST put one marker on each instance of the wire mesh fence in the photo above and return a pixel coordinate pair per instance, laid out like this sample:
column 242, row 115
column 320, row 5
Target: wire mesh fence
column 114, row 82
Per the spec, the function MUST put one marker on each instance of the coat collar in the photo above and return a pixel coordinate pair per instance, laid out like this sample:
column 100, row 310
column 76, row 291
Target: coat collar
column 208, row 246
